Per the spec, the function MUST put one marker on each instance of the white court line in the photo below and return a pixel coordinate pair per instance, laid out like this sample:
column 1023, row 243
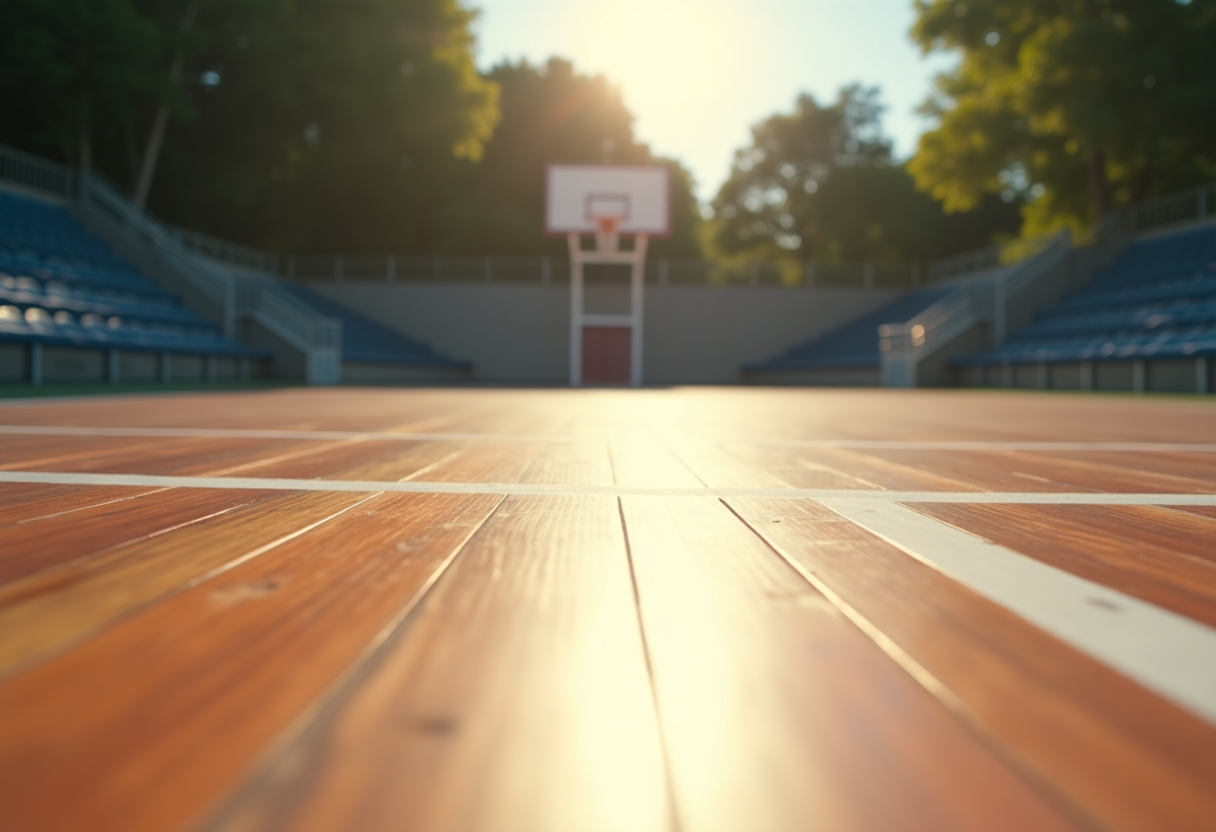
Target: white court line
column 1166, row 652
column 267, row 483
column 858, row 444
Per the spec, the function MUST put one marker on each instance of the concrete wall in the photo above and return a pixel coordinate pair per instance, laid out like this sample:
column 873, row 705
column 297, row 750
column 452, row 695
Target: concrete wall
column 1167, row 375
column 520, row 333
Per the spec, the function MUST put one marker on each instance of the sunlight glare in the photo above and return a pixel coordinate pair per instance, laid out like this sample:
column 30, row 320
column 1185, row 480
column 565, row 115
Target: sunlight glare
column 674, row 60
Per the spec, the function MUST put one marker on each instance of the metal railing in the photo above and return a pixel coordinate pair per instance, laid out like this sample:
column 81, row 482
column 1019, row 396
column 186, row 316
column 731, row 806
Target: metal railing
column 661, row 271
column 239, row 296
column 266, row 301
column 233, row 255
column 988, row 259
column 1190, row 205
column 31, row 171
column 983, row 299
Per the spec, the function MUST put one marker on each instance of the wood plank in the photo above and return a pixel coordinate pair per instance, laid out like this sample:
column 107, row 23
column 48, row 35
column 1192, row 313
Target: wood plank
column 716, row 467
column 570, row 463
column 200, row 684
column 33, row 546
column 777, row 710
column 1108, row 476
column 161, row 455
column 1202, row 511
column 411, row 462
column 1034, row 471
column 517, row 699
column 66, row 452
column 47, row 612
column 980, row 470
column 1118, row 754
column 501, row 462
column 1199, row 467
column 640, row 459
column 322, row 460
column 25, row 502
column 1159, row 556
column 819, row 467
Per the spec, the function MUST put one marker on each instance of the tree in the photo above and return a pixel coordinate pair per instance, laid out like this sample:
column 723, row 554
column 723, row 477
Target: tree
column 69, row 64
column 819, row 183
column 335, row 97
column 770, row 198
column 1079, row 105
column 333, row 125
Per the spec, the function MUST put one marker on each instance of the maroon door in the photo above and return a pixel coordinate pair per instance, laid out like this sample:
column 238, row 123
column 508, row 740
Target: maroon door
column 606, row 354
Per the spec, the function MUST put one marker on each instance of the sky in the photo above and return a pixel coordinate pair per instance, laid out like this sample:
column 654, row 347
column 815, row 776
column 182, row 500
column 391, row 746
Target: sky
column 696, row 74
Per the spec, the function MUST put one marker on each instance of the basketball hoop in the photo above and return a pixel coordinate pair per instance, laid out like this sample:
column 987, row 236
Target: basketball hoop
column 607, row 232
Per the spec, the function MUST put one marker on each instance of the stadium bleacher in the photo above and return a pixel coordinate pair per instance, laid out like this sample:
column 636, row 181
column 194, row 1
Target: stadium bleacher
column 852, row 347
column 1157, row 302
column 365, row 341
column 61, row 287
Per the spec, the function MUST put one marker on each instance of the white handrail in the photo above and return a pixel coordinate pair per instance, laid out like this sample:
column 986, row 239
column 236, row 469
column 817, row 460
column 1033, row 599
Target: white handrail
column 35, row 172
column 981, row 300
column 240, row 296
column 987, row 259
column 1181, row 206
column 223, row 251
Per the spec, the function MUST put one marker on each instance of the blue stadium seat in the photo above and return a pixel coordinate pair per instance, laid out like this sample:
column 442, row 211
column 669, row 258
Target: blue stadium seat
column 1158, row 300
column 61, row 286
column 365, row 340
column 854, row 345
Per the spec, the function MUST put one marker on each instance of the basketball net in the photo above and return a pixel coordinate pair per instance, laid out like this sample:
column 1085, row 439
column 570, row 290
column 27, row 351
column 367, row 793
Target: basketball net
column 607, row 233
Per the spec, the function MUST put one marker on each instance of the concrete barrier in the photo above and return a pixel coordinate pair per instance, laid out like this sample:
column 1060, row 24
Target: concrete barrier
column 519, row 333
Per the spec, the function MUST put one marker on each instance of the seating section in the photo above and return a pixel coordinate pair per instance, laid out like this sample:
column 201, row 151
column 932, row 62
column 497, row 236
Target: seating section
column 853, row 346
column 1157, row 301
column 61, row 286
column 366, row 341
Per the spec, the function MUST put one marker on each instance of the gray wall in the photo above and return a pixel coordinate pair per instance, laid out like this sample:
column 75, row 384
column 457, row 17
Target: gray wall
column 520, row 332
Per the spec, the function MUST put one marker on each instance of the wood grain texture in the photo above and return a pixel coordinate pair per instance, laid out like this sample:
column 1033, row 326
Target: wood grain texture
column 26, row 502
column 1159, row 556
column 517, row 699
column 35, row 545
column 198, row 685
column 174, row 659
column 1194, row 466
column 55, row 608
column 640, row 459
column 847, row 469
column 1113, row 751
column 1202, row 511
column 777, row 709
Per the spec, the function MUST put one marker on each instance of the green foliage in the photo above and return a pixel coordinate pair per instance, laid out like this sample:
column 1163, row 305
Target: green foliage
column 1080, row 105
column 298, row 121
column 315, row 125
column 371, row 160
column 69, row 63
column 820, row 184
column 336, row 125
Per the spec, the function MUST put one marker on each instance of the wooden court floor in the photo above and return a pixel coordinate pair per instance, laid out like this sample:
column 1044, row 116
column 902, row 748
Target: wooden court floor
column 351, row 610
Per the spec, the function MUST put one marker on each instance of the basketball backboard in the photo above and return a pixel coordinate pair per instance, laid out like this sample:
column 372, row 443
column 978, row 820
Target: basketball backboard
column 577, row 196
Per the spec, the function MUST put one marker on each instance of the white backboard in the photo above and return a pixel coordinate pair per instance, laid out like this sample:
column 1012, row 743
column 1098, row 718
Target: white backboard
column 576, row 194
